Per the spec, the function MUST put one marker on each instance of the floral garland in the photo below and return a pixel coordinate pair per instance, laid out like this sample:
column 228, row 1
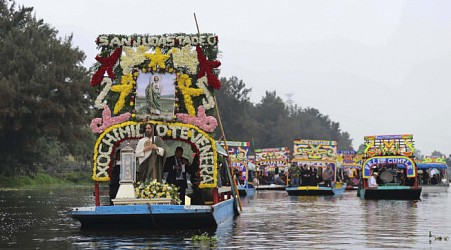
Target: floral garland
column 184, row 84
column 98, row 125
column 207, row 123
column 204, row 143
column 157, row 59
column 132, row 58
column 185, row 58
column 126, row 86
column 107, row 65
column 100, row 100
column 157, row 190
column 208, row 102
column 206, row 67
column 96, row 153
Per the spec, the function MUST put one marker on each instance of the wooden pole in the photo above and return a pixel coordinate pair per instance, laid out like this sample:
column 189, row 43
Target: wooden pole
column 234, row 183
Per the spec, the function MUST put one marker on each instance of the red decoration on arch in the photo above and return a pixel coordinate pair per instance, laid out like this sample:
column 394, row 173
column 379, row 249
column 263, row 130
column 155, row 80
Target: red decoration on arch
column 107, row 65
column 206, row 67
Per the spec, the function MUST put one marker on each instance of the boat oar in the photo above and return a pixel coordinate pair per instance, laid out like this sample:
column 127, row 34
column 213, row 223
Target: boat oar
column 234, row 184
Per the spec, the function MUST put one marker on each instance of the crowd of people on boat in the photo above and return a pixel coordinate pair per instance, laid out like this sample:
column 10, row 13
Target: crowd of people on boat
column 432, row 176
column 390, row 174
column 305, row 175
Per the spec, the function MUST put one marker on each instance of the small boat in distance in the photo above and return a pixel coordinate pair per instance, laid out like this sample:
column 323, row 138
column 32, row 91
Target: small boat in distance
column 350, row 165
column 242, row 167
column 388, row 169
column 433, row 174
column 270, row 168
column 317, row 160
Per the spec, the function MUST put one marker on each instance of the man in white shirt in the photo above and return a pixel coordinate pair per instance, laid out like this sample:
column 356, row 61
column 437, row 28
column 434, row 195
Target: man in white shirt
column 150, row 153
column 373, row 180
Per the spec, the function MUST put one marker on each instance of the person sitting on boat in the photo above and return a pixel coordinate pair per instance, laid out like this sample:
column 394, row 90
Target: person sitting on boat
column 435, row 179
column 294, row 171
column 373, row 180
column 177, row 166
column 305, row 175
column 327, row 176
column 425, row 178
column 150, row 153
column 314, row 179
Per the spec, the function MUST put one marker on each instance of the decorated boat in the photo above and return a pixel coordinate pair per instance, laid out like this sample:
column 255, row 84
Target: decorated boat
column 317, row 159
column 167, row 81
column 433, row 174
column 389, row 170
column 270, row 168
column 350, row 164
column 242, row 167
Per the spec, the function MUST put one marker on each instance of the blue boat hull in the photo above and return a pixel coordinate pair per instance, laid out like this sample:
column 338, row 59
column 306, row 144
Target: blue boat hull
column 391, row 193
column 154, row 216
column 246, row 191
column 314, row 191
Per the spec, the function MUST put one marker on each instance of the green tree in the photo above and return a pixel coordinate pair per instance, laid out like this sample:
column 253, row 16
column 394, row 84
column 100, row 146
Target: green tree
column 234, row 109
column 44, row 94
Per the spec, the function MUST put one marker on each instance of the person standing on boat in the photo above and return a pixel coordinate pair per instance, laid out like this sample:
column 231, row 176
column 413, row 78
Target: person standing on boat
column 327, row 175
column 294, row 174
column 176, row 166
column 150, row 153
column 373, row 180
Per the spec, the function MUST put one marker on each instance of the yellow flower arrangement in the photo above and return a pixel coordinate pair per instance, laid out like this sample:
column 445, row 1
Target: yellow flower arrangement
column 157, row 190
column 157, row 59
column 126, row 86
column 184, row 84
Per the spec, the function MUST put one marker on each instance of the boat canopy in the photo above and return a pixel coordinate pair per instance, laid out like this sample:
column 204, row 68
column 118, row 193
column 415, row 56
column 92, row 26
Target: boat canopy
column 431, row 165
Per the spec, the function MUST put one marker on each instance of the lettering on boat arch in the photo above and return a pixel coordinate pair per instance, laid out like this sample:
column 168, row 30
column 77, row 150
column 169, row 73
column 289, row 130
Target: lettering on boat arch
column 204, row 144
column 407, row 162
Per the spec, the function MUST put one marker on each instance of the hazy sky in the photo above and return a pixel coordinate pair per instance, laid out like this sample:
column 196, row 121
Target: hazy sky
column 376, row 67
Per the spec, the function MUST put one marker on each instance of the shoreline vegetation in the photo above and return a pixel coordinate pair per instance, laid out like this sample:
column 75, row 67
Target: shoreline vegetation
column 44, row 179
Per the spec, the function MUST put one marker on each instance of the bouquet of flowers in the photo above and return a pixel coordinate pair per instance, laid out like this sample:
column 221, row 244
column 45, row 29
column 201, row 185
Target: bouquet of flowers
column 157, row 190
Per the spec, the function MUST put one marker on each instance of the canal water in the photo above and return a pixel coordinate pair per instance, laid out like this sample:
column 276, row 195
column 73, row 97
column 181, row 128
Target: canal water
column 35, row 219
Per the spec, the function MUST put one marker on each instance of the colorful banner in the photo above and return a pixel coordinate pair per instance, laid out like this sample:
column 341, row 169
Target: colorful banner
column 383, row 145
column 237, row 150
column 432, row 159
column 382, row 160
column 349, row 158
column 315, row 150
column 272, row 157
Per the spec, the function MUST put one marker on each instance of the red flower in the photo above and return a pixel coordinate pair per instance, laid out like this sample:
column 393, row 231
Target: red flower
column 206, row 67
column 107, row 65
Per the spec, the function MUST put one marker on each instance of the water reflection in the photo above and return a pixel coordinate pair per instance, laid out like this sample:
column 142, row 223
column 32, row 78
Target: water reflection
column 385, row 220
column 270, row 219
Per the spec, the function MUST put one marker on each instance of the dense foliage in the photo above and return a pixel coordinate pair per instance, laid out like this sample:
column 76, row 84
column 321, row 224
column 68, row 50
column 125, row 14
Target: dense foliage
column 272, row 123
column 44, row 98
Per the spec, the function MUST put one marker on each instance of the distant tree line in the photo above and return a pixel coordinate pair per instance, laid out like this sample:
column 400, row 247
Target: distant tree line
column 271, row 122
